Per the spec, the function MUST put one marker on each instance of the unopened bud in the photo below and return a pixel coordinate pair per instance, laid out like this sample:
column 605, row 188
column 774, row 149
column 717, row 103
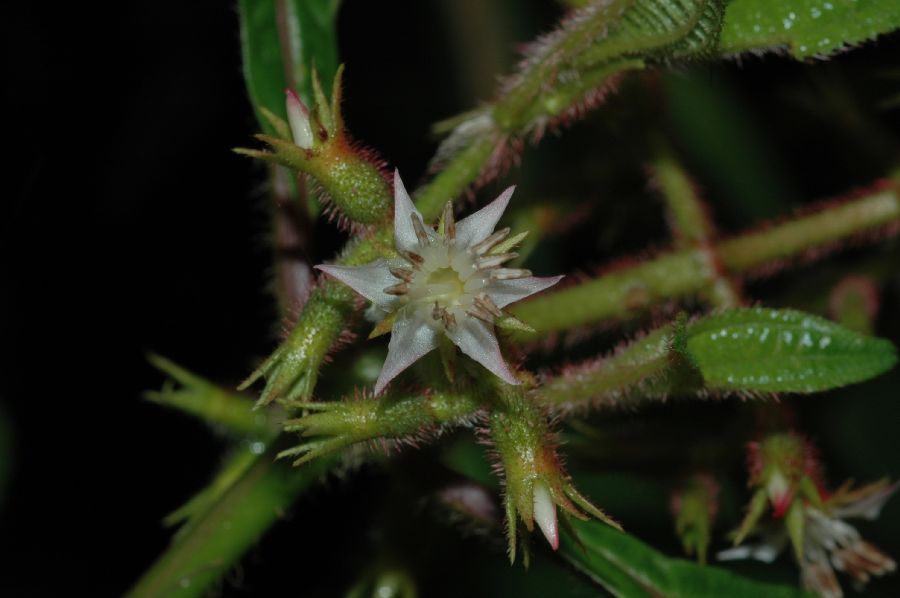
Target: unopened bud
column 545, row 513
column 298, row 117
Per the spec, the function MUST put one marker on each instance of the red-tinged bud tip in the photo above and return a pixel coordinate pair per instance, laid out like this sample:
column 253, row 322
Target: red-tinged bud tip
column 294, row 101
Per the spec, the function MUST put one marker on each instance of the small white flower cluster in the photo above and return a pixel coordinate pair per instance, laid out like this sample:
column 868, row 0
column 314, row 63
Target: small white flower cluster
column 829, row 542
column 450, row 282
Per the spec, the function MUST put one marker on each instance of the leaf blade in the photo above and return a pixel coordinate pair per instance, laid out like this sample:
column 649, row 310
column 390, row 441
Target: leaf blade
column 767, row 350
column 806, row 28
column 627, row 567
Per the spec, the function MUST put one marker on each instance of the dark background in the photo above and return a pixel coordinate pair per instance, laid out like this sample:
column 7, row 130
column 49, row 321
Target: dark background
column 129, row 226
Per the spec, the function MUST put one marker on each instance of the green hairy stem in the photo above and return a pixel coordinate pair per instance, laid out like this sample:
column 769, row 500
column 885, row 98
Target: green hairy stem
column 635, row 374
column 692, row 225
column 629, row 291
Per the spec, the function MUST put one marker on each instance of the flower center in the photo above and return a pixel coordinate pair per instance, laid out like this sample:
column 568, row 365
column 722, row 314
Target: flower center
column 442, row 282
column 445, row 282
column 446, row 279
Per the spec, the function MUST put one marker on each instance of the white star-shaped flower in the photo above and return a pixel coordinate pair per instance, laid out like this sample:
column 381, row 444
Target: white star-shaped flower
column 448, row 282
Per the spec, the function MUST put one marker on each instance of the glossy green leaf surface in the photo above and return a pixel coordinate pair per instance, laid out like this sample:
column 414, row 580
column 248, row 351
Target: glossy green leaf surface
column 769, row 350
column 628, row 568
column 805, row 28
column 281, row 41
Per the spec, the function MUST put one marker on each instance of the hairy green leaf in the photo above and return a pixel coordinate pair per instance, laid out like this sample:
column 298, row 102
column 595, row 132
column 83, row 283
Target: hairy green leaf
column 769, row 350
column 281, row 41
column 805, row 28
column 628, row 568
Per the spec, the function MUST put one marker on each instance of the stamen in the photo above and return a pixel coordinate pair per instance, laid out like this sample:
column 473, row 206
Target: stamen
column 438, row 311
column 879, row 563
column 420, row 229
column 509, row 273
column 398, row 289
column 479, row 313
column 484, row 302
column 402, row 274
column 449, row 222
column 413, row 258
column 485, row 246
column 492, row 261
column 449, row 321
column 850, row 562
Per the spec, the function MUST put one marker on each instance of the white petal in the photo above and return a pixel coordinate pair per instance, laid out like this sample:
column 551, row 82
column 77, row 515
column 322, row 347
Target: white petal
column 410, row 340
column 504, row 292
column 765, row 551
column 476, row 340
column 545, row 513
column 404, row 233
column 738, row 553
column 369, row 280
column 476, row 227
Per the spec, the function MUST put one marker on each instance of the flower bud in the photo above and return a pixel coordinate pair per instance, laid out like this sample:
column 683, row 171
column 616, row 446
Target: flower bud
column 350, row 177
column 545, row 513
column 298, row 117
column 814, row 523
column 782, row 465
column 535, row 481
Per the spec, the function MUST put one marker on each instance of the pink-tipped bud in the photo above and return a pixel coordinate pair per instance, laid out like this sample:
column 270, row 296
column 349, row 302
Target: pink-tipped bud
column 545, row 513
column 298, row 117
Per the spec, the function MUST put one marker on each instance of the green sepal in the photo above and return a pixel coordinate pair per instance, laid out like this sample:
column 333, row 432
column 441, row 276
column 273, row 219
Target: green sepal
column 337, row 96
column 795, row 521
column 285, row 153
column 809, row 491
column 384, row 326
column 508, row 322
column 510, row 243
column 322, row 108
column 754, row 513
column 590, row 508
column 215, row 405
column 282, row 128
